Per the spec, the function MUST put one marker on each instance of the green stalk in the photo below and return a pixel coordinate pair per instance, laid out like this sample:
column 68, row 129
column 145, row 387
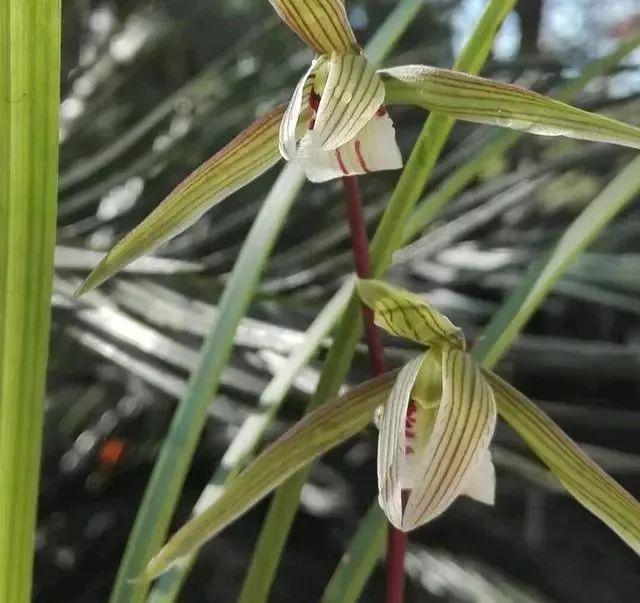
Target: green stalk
column 29, row 101
column 162, row 493
column 388, row 238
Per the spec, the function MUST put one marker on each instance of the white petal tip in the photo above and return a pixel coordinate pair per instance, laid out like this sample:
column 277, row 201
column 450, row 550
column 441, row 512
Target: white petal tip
column 481, row 484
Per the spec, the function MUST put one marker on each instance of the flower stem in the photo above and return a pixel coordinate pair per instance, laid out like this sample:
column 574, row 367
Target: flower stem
column 396, row 540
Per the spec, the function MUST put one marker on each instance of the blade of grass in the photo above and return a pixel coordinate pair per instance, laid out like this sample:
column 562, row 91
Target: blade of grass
column 168, row 476
column 164, row 487
column 388, row 238
column 29, row 100
column 509, row 321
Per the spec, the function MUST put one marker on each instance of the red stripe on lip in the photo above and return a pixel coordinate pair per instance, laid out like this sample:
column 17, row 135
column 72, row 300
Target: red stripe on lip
column 343, row 168
column 361, row 160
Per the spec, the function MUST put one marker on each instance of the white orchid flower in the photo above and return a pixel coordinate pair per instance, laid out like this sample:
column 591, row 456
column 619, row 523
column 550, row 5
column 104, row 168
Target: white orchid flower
column 340, row 98
column 436, row 428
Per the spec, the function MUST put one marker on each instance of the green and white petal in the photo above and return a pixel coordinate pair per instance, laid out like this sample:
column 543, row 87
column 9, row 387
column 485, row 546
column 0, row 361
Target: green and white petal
column 580, row 475
column 322, row 24
column 373, row 149
column 455, row 460
column 290, row 125
column 316, row 433
column 351, row 96
column 481, row 100
column 392, row 441
column 245, row 158
column 407, row 315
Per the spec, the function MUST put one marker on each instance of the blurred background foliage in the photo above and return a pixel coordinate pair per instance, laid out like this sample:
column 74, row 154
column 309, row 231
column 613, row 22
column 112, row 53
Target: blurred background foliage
column 150, row 90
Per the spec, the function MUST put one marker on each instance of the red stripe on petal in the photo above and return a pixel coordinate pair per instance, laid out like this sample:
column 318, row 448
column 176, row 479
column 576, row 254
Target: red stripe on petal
column 361, row 160
column 343, row 168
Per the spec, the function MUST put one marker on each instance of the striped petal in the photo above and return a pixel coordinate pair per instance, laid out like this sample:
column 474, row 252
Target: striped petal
column 289, row 126
column 407, row 315
column 372, row 150
column 322, row 24
column 245, row 158
column 316, row 433
column 477, row 99
column 581, row 476
column 351, row 96
column 392, row 441
column 455, row 460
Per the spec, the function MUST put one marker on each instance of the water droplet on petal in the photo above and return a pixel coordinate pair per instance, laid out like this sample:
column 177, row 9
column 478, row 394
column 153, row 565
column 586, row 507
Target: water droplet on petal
column 378, row 415
column 504, row 118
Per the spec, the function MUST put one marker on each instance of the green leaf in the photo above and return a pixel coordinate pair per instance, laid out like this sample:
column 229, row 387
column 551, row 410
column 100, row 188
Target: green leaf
column 308, row 439
column 245, row 158
column 583, row 478
column 480, row 100
column 507, row 323
column 29, row 103
column 165, row 484
column 405, row 314
column 322, row 24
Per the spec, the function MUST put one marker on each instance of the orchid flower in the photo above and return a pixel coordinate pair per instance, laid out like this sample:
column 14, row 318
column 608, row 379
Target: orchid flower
column 435, row 431
column 337, row 124
column 437, row 425
column 438, row 415
column 347, row 129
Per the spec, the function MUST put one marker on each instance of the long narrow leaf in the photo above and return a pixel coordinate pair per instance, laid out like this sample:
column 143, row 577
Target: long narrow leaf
column 252, row 430
column 525, row 299
column 169, row 473
column 29, row 100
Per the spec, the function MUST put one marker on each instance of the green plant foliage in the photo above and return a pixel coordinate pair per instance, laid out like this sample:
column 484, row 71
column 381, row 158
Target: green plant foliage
column 29, row 99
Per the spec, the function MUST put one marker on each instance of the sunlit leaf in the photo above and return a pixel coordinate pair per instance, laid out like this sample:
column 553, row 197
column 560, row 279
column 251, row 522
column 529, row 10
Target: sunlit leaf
column 246, row 157
column 316, row 433
column 480, row 100
column 405, row 314
column 322, row 24
column 581, row 476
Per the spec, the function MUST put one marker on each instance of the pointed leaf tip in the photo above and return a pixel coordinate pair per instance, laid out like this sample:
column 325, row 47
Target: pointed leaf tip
column 245, row 158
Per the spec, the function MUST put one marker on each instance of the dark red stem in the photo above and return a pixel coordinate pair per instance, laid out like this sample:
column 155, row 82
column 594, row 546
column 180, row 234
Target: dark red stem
column 396, row 540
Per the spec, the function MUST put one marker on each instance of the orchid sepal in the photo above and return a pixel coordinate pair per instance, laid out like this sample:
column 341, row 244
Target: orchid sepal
column 242, row 160
column 480, row 100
